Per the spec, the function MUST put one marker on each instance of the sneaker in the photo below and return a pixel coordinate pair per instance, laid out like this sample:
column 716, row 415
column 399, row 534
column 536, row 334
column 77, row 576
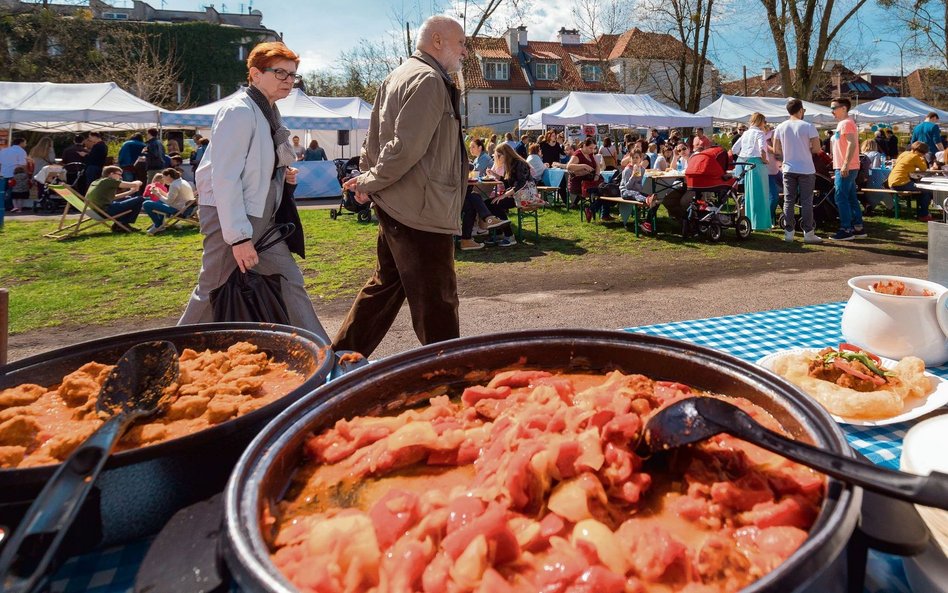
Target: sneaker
column 152, row 230
column 788, row 236
column 507, row 242
column 646, row 228
column 842, row 235
column 860, row 233
column 926, row 218
column 491, row 222
column 478, row 231
column 812, row 238
column 470, row 245
column 607, row 218
column 589, row 214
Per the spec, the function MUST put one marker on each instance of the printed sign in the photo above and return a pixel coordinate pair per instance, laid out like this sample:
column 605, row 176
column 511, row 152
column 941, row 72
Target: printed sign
column 589, row 130
column 574, row 131
column 555, row 128
column 602, row 129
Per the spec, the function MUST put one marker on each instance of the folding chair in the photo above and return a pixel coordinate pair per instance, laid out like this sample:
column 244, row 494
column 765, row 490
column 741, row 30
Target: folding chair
column 89, row 214
column 187, row 215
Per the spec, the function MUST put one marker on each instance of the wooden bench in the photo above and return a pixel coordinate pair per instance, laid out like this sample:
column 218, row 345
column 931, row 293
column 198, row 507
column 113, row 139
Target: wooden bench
column 896, row 196
column 633, row 207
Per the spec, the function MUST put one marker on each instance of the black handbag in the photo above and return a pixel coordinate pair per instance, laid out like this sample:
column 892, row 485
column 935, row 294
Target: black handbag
column 249, row 296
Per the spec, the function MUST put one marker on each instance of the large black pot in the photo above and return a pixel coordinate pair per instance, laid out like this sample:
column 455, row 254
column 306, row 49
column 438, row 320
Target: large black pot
column 263, row 472
column 141, row 488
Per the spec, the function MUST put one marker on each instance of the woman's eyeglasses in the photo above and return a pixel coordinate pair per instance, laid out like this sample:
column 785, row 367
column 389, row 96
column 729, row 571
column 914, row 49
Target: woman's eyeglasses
column 282, row 74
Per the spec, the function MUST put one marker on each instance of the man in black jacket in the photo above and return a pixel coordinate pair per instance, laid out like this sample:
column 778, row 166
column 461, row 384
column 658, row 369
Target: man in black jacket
column 154, row 155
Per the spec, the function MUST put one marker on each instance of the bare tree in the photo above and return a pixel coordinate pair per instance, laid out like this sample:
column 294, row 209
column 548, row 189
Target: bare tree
column 137, row 63
column 601, row 22
column 928, row 20
column 481, row 16
column 806, row 28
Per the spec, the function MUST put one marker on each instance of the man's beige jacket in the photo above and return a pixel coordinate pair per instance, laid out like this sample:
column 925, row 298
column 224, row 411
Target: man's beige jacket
column 413, row 159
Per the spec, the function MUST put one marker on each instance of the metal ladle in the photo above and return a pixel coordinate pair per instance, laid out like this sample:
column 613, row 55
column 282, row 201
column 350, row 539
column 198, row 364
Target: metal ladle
column 695, row 419
column 133, row 391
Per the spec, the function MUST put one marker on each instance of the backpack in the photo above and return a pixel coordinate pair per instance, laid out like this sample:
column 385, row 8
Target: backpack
column 862, row 177
column 608, row 190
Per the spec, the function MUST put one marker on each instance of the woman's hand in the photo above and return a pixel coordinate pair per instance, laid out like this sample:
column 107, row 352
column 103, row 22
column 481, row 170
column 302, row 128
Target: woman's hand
column 290, row 177
column 246, row 255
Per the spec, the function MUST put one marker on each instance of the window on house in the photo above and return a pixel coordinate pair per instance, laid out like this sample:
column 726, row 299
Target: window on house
column 591, row 72
column 547, row 101
column 546, row 71
column 496, row 70
column 498, row 105
column 115, row 16
column 241, row 53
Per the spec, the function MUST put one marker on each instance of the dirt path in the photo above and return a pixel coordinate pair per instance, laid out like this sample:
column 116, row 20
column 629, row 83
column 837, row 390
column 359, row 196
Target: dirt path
column 610, row 292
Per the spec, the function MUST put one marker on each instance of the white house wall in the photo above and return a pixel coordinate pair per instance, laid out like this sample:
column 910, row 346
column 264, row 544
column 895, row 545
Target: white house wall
column 477, row 109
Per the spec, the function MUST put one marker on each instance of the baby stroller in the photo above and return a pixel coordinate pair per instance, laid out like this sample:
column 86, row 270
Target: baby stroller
column 717, row 205
column 349, row 205
column 825, row 212
column 46, row 199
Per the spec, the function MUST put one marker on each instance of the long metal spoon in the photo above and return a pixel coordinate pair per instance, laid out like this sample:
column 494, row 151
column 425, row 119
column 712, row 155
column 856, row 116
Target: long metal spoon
column 133, row 391
column 698, row 418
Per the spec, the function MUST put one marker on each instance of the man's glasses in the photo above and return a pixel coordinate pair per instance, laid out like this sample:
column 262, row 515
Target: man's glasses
column 835, row 107
column 282, row 74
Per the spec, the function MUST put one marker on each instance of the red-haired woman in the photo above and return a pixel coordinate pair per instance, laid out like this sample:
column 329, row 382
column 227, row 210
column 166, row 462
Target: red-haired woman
column 241, row 182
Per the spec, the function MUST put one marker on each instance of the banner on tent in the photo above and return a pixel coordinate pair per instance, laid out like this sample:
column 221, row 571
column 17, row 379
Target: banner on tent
column 589, row 130
column 574, row 131
column 556, row 128
column 602, row 129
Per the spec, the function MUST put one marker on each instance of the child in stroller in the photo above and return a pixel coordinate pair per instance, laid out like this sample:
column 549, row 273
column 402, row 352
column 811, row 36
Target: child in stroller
column 716, row 205
column 346, row 169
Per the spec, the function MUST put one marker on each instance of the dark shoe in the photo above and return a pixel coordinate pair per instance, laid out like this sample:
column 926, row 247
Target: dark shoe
column 842, row 235
column 607, row 218
column 860, row 233
column 117, row 229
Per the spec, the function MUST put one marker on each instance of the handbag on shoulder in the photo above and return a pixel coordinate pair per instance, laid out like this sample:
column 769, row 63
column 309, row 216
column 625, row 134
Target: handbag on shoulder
column 249, row 296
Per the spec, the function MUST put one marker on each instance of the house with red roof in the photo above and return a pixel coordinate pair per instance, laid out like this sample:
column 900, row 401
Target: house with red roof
column 506, row 78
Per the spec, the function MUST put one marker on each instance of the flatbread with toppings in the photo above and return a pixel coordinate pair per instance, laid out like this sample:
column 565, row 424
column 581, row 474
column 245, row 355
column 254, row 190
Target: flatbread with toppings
column 853, row 383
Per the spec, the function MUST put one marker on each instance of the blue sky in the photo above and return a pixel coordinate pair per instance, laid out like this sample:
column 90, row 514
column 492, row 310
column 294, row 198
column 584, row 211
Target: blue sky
column 320, row 29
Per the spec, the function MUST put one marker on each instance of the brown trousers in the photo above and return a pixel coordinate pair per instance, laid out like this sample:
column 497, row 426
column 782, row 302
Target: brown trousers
column 412, row 264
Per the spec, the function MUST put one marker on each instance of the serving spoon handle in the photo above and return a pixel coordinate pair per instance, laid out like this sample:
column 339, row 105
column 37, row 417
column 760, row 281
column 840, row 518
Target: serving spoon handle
column 25, row 559
column 931, row 490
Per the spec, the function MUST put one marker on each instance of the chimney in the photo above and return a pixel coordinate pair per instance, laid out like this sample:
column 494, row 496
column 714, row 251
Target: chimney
column 867, row 76
column 568, row 36
column 766, row 73
column 516, row 38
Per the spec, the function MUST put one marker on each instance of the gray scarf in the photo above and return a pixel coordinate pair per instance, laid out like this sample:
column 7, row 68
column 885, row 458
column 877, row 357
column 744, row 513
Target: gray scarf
column 285, row 156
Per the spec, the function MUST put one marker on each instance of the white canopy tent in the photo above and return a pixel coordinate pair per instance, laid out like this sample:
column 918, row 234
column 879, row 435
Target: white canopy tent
column 360, row 111
column 59, row 107
column 627, row 111
column 892, row 110
column 734, row 109
column 299, row 112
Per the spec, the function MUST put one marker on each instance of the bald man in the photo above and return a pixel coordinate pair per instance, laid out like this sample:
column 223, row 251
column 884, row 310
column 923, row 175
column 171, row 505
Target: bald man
column 414, row 170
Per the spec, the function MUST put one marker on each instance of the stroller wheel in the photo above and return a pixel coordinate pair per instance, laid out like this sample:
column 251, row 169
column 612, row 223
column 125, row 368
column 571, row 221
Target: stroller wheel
column 333, row 214
column 364, row 215
column 715, row 232
column 744, row 229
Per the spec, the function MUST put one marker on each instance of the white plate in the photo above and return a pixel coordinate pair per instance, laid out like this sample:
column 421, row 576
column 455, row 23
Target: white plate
column 917, row 407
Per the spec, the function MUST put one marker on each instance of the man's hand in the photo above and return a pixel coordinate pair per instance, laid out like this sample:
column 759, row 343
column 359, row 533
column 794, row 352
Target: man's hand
column 844, row 172
column 350, row 185
column 246, row 255
column 291, row 173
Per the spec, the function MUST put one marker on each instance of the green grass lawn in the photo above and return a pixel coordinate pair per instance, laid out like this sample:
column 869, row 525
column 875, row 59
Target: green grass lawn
column 100, row 277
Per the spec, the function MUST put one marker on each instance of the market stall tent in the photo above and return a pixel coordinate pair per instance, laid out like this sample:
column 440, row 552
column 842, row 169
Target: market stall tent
column 299, row 112
column 892, row 110
column 60, row 107
column 734, row 109
column 625, row 111
column 360, row 111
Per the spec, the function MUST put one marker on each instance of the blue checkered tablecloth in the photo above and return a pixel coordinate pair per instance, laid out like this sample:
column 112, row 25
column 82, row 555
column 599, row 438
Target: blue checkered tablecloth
column 750, row 337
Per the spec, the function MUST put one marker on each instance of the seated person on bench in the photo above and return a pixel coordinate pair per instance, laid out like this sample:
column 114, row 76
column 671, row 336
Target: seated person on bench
column 630, row 188
column 103, row 193
column 179, row 195
column 907, row 163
